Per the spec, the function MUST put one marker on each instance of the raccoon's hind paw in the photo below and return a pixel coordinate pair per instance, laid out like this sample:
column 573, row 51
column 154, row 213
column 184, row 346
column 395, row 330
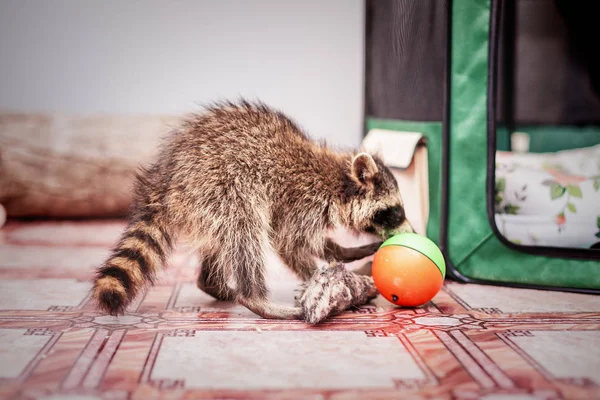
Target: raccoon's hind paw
column 333, row 290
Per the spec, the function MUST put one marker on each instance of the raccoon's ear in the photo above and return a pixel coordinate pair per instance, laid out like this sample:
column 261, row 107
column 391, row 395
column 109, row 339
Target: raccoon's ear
column 364, row 168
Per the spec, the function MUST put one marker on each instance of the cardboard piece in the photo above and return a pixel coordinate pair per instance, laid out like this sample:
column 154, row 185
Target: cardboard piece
column 405, row 153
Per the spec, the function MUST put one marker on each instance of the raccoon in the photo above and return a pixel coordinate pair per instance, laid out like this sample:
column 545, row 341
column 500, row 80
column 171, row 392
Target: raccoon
column 238, row 179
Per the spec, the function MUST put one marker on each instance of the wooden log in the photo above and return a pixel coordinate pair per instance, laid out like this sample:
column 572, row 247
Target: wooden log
column 74, row 166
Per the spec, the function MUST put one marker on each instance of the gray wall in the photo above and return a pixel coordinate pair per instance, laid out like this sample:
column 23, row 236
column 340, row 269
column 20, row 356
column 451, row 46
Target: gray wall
column 159, row 56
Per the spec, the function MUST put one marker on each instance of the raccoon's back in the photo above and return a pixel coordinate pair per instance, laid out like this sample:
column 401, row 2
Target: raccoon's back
column 247, row 144
column 237, row 132
column 247, row 154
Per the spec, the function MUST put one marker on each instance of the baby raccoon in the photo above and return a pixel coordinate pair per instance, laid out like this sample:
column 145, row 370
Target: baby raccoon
column 235, row 181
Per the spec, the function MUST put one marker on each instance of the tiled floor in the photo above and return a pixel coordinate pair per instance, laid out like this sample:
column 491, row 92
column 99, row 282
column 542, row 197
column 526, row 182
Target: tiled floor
column 470, row 342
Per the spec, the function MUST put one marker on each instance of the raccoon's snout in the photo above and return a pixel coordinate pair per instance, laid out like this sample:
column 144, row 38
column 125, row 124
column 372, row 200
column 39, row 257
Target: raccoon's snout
column 389, row 219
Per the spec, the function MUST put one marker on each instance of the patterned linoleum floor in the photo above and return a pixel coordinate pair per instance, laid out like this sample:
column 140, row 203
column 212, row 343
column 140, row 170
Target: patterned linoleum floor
column 470, row 342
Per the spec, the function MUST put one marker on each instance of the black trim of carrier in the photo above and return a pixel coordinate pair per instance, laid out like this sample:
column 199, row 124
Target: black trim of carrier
column 445, row 159
column 496, row 7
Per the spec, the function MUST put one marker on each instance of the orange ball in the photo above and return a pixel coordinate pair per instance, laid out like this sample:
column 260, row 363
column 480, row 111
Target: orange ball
column 408, row 269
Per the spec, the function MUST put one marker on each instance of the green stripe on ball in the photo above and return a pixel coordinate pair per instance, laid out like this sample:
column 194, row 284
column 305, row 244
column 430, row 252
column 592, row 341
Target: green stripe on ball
column 422, row 244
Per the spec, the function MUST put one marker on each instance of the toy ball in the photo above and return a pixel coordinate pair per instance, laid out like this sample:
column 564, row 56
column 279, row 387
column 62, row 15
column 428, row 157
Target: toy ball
column 408, row 269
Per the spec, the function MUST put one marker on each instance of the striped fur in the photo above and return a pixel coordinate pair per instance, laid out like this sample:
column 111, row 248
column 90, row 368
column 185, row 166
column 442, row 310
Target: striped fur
column 133, row 264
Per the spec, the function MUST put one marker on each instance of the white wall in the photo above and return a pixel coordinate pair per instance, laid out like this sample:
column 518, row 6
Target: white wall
column 159, row 56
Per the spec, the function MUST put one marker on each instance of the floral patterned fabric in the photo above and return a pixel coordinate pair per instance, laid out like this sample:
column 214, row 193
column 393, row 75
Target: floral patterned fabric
column 549, row 199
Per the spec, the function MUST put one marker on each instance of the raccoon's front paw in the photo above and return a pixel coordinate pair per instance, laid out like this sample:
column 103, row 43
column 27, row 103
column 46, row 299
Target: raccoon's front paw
column 300, row 294
column 331, row 291
column 320, row 296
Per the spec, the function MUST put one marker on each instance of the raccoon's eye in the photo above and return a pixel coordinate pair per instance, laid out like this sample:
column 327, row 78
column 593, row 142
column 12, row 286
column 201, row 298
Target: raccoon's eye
column 390, row 217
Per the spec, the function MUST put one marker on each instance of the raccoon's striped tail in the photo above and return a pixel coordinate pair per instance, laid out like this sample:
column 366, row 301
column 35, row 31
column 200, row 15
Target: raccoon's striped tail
column 133, row 264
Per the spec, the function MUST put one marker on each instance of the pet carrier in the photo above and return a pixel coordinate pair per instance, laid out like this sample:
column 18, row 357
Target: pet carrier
column 507, row 96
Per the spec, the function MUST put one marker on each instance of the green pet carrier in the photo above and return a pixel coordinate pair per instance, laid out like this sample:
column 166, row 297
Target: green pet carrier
column 507, row 94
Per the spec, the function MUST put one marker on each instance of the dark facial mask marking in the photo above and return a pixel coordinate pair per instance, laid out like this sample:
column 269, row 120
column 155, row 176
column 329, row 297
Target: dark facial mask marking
column 389, row 218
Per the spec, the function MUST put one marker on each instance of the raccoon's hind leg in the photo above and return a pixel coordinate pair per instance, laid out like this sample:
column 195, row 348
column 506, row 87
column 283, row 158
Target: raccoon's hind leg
column 243, row 248
column 212, row 280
